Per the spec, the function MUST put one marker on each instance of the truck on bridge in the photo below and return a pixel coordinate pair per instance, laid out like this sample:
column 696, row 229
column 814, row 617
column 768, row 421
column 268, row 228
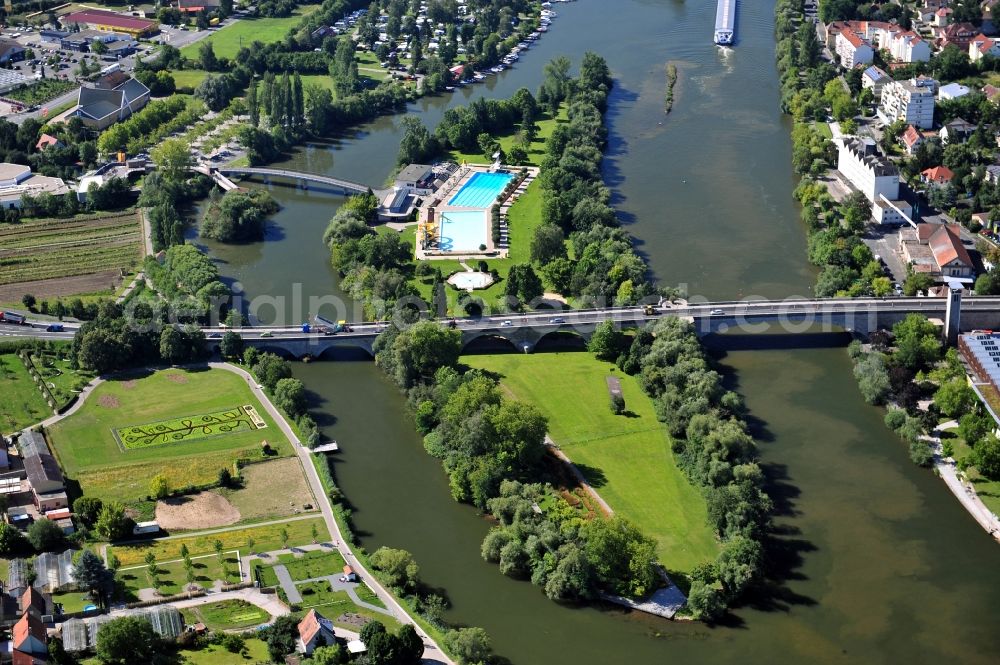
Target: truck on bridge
column 329, row 327
column 13, row 317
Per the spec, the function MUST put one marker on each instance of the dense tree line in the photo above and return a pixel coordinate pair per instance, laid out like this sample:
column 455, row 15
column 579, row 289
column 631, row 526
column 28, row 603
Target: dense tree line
column 238, row 216
column 715, row 451
column 114, row 341
column 575, row 201
column 901, row 368
column 186, row 275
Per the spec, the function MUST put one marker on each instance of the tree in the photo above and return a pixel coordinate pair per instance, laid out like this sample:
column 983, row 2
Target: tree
column 607, row 342
column 231, row 345
column 418, row 145
column 470, row 645
column 739, row 564
column 409, row 646
column 159, row 487
column 706, row 602
column 954, row 398
column 173, row 157
column 207, row 57
column 284, row 538
column 173, row 345
column 113, row 523
column 397, row 566
column 917, row 281
column 419, row 351
column 873, row 378
column 28, row 301
column 290, row 396
column 215, row 91
column 547, row 244
column 986, row 457
column 46, row 536
column 973, row 427
column 127, row 640
column 917, row 342
column 12, row 542
column 329, row 655
column 281, row 637
column 270, row 369
column 87, row 508
column 90, row 575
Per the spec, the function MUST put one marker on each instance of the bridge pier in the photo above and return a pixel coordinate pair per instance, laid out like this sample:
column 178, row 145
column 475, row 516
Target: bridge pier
column 952, row 316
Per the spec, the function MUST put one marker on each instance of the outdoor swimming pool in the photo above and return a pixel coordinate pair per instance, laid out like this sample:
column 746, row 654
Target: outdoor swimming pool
column 462, row 230
column 481, row 190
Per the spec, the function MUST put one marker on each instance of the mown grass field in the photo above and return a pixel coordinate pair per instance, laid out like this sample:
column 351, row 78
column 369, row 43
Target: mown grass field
column 546, row 124
column 22, row 403
column 315, row 563
column 189, row 428
column 54, row 248
column 227, row 41
column 188, row 78
column 626, row 458
column 88, row 452
column 266, row 538
column 226, row 615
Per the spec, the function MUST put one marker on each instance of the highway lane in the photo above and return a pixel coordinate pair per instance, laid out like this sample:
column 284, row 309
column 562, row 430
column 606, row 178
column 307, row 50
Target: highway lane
column 793, row 308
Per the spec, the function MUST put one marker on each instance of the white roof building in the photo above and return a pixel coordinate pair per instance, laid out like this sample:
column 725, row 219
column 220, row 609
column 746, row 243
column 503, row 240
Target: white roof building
column 953, row 91
column 16, row 180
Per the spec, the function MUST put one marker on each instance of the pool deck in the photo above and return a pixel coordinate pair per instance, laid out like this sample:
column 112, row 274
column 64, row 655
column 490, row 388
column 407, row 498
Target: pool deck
column 439, row 203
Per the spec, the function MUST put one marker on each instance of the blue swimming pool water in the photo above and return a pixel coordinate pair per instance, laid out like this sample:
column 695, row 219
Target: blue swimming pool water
column 481, row 190
column 462, row 230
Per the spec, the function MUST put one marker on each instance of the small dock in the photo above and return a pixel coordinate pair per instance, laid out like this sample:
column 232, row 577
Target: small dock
column 664, row 602
column 331, row 447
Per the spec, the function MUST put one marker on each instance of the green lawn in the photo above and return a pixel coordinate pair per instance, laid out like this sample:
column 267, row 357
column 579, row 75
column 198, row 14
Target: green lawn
column 988, row 490
column 266, row 538
column 228, row 41
column 22, row 404
column 188, row 78
column 313, row 564
column 88, row 452
column 72, row 601
column 226, row 615
column 626, row 458
column 172, row 577
column 546, row 125
column 332, row 604
column 63, row 381
column 255, row 652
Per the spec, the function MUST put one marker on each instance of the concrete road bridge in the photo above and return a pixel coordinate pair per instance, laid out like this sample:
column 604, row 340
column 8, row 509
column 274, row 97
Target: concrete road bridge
column 523, row 331
column 302, row 178
column 859, row 316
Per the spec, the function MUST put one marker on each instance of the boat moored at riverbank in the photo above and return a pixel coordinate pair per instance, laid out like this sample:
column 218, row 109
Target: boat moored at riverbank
column 725, row 20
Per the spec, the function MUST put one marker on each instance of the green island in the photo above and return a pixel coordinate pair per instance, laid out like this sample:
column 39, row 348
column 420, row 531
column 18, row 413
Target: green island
column 627, row 459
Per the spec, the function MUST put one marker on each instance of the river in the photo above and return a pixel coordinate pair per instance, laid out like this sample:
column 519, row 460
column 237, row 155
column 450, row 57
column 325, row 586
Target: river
column 877, row 561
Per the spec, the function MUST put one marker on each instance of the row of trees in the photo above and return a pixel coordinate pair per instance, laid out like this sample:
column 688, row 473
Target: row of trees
column 712, row 446
column 575, row 201
column 902, row 367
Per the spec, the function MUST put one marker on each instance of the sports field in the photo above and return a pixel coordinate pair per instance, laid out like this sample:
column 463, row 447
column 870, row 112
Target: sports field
column 230, row 421
column 626, row 458
column 87, row 448
column 228, row 41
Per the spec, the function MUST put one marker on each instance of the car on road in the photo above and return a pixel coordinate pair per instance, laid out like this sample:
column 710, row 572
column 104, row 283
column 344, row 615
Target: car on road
column 506, row 323
column 558, row 319
column 716, row 312
column 267, row 333
column 214, row 336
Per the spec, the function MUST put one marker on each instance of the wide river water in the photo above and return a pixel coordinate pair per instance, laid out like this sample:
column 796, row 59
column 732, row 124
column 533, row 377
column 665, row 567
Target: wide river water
column 877, row 561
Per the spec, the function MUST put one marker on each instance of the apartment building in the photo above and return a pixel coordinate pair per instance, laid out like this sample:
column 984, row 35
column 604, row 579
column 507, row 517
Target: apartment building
column 907, row 101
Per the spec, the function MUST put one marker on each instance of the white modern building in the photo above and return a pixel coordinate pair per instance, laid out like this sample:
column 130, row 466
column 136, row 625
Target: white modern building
column 16, row 180
column 853, row 50
column 908, row 47
column 869, row 172
column 953, row 91
column 907, row 101
column 875, row 79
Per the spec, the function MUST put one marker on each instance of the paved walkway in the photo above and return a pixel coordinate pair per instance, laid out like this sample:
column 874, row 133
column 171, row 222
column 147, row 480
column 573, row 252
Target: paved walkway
column 287, row 584
column 961, row 488
column 350, row 588
column 432, row 652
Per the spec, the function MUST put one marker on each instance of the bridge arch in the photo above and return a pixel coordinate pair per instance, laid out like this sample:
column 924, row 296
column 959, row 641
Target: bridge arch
column 488, row 341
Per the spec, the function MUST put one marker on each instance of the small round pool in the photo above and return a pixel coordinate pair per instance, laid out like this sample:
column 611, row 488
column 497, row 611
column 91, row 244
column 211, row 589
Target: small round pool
column 471, row 280
column 89, row 608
